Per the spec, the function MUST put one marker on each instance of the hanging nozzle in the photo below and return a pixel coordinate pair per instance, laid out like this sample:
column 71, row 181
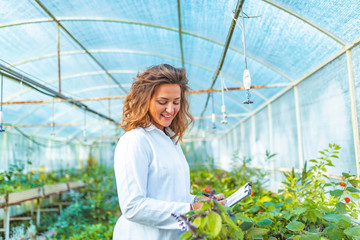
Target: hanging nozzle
column 223, row 110
column 1, row 122
column 247, row 79
column 213, row 119
column 247, row 86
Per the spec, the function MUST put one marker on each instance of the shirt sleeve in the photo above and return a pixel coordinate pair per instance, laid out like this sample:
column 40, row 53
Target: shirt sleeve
column 133, row 155
column 192, row 198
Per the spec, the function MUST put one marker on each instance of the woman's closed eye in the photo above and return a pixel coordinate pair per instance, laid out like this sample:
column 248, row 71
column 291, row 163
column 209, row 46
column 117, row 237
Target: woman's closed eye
column 164, row 103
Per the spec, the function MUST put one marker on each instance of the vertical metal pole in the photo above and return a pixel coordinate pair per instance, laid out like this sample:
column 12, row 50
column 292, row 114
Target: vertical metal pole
column 38, row 212
column 32, row 208
column 60, row 203
column 109, row 93
column 6, row 155
column 242, row 132
column 298, row 126
column 355, row 125
column 271, row 146
column 7, row 222
column 253, row 140
column 58, row 55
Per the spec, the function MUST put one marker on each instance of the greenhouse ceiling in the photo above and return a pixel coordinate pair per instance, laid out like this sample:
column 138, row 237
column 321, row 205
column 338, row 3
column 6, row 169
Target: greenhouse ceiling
column 67, row 65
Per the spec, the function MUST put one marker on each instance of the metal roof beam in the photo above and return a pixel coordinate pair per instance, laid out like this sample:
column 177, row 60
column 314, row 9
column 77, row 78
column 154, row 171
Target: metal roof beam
column 123, row 96
column 227, row 44
column 9, row 73
column 180, row 35
column 271, row 67
column 77, row 42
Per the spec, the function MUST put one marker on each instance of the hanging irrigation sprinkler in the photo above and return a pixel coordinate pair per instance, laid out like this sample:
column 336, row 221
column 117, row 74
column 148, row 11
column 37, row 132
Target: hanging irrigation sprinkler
column 223, row 107
column 246, row 75
column 1, row 104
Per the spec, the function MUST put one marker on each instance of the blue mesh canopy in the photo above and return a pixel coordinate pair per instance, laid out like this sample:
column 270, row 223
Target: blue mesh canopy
column 95, row 48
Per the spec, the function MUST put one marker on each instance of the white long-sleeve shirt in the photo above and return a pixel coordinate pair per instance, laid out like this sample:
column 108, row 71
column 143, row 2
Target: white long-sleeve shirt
column 153, row 181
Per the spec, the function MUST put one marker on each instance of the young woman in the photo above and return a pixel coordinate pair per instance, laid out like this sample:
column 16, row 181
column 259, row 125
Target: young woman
column 152, row 174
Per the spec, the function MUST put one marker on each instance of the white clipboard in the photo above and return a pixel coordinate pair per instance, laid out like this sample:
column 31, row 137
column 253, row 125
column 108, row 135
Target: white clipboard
column 239, row 195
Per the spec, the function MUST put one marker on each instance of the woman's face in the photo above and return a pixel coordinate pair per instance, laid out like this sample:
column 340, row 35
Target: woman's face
column 165, row 104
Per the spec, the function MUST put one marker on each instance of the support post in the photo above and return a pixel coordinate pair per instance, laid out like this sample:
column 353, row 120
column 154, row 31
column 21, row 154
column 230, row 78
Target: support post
column 58, row 55
column 355, row 125
column 271, row 146
column 7, row 222
column 38, row 212
column 298, row 127
column 253, row 140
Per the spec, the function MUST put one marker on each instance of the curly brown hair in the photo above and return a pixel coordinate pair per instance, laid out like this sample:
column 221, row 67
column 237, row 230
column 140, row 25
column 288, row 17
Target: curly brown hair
column 137, row 102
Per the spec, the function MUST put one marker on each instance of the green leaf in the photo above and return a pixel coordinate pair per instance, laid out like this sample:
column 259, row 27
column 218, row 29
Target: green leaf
column 299, row 210
column 264, row 222
column 295, row 226
column 355, row 195
column 268, row 203
column 256, row 232
column 353, row 232
column 340, row 207
column 246, row 225
column 185, row 235
column 272, row 238
column 343, row 223
column 313, row 160
column 254, row 208
column 352, row 189
column 346, row 175
column 354, row 182
column 310, row 236
column 336, row 193
column 335, row 234
column 336, row 218
column 214, row 223
column 279, row 205
column 228, row 220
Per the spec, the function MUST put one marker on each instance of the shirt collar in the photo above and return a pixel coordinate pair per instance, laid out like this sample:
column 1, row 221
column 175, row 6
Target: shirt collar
column 169, row 132
column 151, row 127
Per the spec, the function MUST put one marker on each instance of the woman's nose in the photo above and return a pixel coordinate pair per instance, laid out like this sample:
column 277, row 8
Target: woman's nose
column 170, row 108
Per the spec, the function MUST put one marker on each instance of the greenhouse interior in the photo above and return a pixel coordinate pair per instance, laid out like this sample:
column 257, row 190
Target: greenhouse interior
column 274, row 92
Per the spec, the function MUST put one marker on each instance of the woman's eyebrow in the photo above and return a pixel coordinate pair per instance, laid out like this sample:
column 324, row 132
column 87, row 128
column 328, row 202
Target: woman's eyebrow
column 168, row 99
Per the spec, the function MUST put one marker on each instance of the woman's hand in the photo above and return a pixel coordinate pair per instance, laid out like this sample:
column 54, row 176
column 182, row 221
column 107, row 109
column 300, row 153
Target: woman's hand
column 218, row 197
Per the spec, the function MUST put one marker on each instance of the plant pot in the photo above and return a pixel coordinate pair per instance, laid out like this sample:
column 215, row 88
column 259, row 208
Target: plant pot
column 19, row 197
column 55, row 189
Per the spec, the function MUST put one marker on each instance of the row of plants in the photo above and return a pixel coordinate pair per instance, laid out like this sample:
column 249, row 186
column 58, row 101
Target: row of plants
column 92, row 213
column 21, row 177
column 309, row 205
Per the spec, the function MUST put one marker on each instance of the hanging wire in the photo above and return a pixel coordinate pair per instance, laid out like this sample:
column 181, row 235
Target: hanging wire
column 1, row 104
column 223, row 107
column 243, row 37
column 246, row 74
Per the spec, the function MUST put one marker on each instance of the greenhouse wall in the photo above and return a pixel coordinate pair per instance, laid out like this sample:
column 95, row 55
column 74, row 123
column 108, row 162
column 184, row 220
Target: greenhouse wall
column 301, row 122
column 53, row 155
